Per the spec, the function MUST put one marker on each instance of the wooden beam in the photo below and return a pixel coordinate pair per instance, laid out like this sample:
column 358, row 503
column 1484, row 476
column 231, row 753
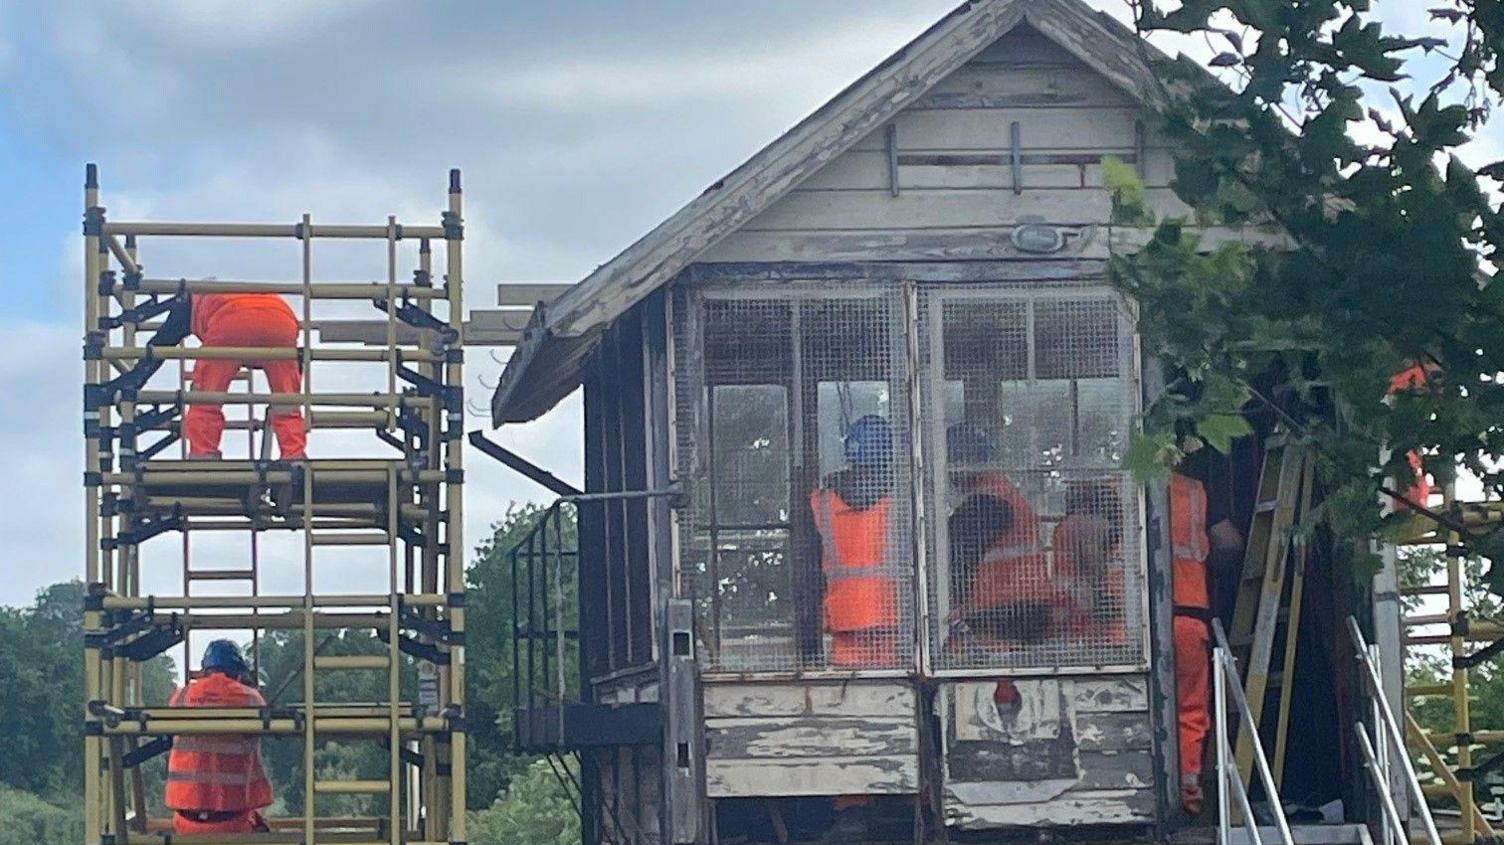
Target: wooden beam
column 484, row 328
column 514, row 294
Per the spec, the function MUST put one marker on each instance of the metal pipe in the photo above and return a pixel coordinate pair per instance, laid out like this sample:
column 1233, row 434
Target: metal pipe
column 1261, row 763
column 1219, row 699
column 352, row 787
column 271, row 602
column 1393, row 733
column 1392, row 823
column 234, row 353
column 350, row 661
column 454, row 528
column 317, row 290
column 212, row 397
column 367, row 726
column 1387, row 832
column 302, row 231
column 1450, row 781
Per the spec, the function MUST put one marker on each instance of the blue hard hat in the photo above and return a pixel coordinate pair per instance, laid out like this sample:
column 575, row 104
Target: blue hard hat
column 224, row 656
column 869, row 442
column 967, row 444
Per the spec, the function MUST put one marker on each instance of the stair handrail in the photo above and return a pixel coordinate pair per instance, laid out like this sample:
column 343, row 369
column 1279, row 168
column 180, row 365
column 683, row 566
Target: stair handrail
column 1390, row 741
column 1225, row 682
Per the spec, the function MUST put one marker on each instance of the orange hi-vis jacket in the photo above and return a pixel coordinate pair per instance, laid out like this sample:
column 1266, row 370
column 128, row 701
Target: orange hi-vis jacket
column 1014, row 568
column 217, row 772
column 1410, row 379
column 207, row 307
column 860, row 592
column 1189, row 544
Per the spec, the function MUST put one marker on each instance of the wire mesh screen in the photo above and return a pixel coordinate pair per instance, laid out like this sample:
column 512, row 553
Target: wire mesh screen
column 1035, row 547
column 793, row 435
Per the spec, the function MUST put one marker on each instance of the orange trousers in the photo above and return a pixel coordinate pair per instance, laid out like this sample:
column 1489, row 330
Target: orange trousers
column 1193, row 670
column 204, row 424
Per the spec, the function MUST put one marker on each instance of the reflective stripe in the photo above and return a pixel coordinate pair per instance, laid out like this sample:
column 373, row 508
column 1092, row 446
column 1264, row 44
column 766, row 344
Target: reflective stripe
column 212, row 778
column 825, row 523
column 831, row 564
column 213, row 744
column 1189, row 509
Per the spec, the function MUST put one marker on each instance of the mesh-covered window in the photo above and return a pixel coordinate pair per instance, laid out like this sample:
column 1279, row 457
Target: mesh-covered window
column 1035, row 547
column 793, row 436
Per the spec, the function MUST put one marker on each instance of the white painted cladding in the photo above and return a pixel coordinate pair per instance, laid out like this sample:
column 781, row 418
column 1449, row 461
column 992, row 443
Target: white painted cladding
column 952, row 154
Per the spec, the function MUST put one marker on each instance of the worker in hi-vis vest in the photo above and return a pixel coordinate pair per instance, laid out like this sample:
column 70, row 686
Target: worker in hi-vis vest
column 1195, row 533
column 215, row 782
column 258, row 320
column 1002, row 591
column 853, row 515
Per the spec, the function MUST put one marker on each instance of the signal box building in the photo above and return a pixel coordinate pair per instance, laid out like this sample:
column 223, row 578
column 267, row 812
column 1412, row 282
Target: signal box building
column 928, row 248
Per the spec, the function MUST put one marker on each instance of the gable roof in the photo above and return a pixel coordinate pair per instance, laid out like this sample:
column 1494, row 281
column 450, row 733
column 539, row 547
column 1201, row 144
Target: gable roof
column 545, row 366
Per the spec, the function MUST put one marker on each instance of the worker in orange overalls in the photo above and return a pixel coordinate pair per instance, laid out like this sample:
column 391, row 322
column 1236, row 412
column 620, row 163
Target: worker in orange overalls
column 215, row 782
column 1195, row 534
column 1088, row 564
column 853, row 512
column 260, row 320
column 1001, row 585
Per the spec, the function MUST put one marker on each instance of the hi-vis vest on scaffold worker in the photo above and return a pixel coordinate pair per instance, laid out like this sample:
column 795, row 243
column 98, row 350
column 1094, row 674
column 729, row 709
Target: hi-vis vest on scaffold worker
column 248, row 320
column 853, row 515
column 215, row 782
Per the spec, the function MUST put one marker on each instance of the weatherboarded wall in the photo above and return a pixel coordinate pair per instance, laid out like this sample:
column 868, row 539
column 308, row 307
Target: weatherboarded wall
column 1017, row 135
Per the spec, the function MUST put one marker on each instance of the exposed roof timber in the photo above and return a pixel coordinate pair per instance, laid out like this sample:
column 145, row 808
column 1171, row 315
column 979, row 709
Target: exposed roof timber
column 484, row 328
column 529, row 294
column 536, row 375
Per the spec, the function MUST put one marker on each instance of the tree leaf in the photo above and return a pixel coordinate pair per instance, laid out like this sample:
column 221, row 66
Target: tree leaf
column 1220, row 430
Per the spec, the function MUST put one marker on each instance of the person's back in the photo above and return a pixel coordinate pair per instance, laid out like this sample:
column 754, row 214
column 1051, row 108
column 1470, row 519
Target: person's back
column 851, row 513
column 216, row 782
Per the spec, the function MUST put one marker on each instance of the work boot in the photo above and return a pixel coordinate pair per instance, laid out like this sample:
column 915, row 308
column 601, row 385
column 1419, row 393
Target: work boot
column 1191, row 798
column 205, row 456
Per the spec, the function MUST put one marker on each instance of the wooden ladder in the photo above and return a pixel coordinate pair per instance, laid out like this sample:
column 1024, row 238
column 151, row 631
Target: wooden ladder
column 1270, row 592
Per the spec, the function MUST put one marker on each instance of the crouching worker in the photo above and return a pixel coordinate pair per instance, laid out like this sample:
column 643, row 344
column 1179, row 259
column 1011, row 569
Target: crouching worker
column 215, row 782
column 247, row 320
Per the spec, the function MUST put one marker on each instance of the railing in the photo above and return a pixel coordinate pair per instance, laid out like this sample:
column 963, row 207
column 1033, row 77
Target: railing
column 1387, row 743
column 545, row 610
column 1229, row 783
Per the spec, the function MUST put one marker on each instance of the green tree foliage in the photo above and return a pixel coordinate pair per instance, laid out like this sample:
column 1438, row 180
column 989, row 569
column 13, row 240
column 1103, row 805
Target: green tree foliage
column 1379, row 263
column 489, row 623
column 42, row 693
column 536, row 810
column 28, row 820
column 41, row 711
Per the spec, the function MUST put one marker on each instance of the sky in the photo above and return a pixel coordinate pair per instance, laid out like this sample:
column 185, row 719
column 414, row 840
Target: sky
column 579, row 125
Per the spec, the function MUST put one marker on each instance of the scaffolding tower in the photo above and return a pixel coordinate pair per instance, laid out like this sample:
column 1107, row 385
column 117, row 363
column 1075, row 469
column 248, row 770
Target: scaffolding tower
column 406, row 500
column 1459, row 760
